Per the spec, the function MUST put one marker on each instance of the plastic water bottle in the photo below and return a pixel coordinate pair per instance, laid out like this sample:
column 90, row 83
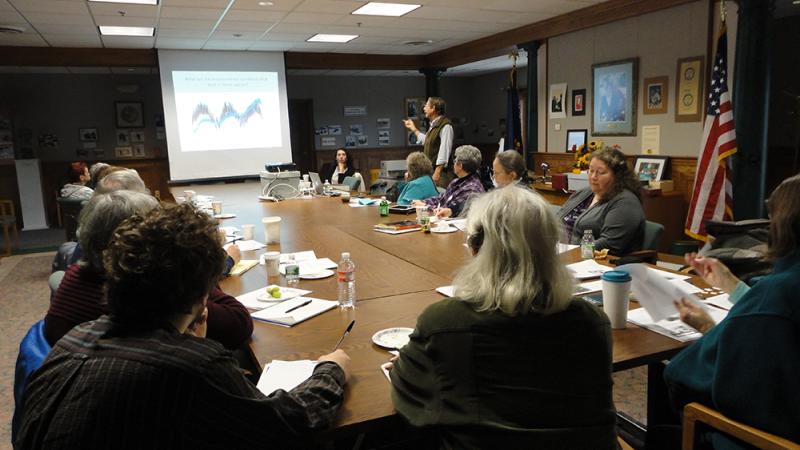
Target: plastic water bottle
column 347, row 282
column 326, row 188
column 384, row 206
column 587, row 245
column 292, row 272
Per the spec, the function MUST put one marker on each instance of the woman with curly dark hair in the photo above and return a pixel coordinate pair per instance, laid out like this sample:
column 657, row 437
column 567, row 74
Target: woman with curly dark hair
column 611, row 207
column 146, row 377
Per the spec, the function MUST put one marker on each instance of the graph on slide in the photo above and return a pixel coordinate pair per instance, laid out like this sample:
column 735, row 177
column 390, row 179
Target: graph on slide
column 227, row 110
column 203, row 116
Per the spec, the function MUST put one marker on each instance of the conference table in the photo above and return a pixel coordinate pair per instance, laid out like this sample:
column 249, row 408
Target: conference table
column 396, row 278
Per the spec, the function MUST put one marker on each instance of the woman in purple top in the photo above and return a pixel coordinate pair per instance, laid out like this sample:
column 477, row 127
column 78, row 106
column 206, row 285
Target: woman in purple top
column 451, row 202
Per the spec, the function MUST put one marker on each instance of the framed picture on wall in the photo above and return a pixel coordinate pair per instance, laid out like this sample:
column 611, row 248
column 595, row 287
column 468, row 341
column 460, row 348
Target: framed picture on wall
column 650, row 167
column 656, row 93
column 614, row 98
column 579, row 102
column 575, row 138
column 88, row 134
column 557, row 101
column 413, row 111
column 129, row 115
column 689, row 89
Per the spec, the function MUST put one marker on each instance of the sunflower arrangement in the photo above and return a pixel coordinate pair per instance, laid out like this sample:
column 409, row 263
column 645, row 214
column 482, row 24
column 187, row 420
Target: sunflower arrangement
column 582, row 155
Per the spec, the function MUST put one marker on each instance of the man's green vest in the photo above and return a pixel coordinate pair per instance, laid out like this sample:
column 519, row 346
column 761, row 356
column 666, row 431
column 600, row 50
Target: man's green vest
column 433, row 141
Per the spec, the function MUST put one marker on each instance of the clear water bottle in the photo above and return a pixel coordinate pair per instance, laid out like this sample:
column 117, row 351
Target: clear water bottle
column 292, row 272
column 587, row 245
column 347, row 282
column 383, row 206
column 326, row 188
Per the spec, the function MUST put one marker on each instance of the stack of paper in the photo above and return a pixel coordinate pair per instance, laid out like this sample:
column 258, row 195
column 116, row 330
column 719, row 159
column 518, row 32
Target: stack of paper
column 308, row 262
column 293, row 311
column 672, row 326
column 588, row 268
column 243, row 266
column 285, row 375
column 561, row 248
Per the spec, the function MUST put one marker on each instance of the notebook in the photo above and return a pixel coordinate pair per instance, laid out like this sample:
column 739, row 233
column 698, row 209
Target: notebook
column 293, row 311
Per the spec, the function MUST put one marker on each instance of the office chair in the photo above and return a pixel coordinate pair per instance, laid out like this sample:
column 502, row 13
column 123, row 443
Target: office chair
column 353, row 183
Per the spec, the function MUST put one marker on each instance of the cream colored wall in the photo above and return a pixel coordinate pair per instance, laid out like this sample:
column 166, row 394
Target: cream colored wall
column 658, row 40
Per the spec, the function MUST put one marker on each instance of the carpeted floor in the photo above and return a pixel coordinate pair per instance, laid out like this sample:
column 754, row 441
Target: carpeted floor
column 25, row 298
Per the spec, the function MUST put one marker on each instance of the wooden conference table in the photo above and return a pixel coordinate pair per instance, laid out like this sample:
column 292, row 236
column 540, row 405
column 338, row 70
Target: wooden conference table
column 395, row 280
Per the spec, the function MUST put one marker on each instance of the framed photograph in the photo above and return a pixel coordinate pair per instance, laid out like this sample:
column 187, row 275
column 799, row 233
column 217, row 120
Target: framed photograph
column 614, row 98
column 137, row 135
column 651, row 167
column 689, row 89
column 579, row 102
column 656, row 93
column 123, row 137
column 88, row 134
column 123, row 152
column 129, row 115
column 350, row 141
column 383, row 122
column 138, row 151
column 357, row 129
column 413, row 109
column 575, row 138
column 558, row 97
column 334, row 130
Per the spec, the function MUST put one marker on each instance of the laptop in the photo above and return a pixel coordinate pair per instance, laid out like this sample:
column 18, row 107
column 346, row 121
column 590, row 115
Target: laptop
column 316, row 183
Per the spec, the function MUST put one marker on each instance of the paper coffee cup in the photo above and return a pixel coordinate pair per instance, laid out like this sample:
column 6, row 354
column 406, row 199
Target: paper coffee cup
column 616, row 297
column 217, row 207
column 272, row 230
column 272, row 261
column 248, row 232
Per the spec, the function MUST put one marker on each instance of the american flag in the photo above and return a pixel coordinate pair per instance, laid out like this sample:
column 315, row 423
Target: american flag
column 712, row 197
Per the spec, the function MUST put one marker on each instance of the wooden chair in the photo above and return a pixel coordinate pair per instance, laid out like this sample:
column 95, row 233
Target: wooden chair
column 8, row 220
column 695, row 412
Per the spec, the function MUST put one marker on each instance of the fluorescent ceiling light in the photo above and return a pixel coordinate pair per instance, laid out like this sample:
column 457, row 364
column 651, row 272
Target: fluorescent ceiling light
column 133, row 2
column 385, row 9
column 126, row 31
column 332, row 38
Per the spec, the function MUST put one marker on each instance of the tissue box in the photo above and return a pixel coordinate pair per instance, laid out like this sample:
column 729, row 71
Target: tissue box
column 559, row 180
column 577, row 181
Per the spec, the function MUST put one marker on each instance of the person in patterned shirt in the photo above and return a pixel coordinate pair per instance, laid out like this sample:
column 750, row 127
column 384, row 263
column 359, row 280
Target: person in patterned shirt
column 145, row 376
column 452, row 202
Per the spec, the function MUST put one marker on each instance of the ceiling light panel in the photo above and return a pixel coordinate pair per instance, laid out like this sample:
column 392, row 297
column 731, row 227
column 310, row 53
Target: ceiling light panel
column 126, row 31
column 337, row 38
column 385, row 9
column 130, row 2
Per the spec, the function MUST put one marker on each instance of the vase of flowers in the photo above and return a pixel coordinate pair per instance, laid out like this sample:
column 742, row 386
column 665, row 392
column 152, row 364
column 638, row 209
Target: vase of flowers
column 582, row 155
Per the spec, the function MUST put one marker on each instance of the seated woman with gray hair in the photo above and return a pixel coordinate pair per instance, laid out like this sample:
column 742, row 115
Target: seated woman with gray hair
column 512, row 360
column 80, row 297
column 451, row 202
column 418, row 175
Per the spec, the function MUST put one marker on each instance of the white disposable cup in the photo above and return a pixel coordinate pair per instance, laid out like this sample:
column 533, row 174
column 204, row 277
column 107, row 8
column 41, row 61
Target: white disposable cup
column 189, row 195
column 422, row 211
column 217, row 207
column 305, row 177
column 248, row 231
column 272, row 230
column 616, row 297
column 272, row 261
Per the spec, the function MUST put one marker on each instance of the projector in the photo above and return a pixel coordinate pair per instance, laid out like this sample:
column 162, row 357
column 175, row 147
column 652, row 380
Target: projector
column 281, row 167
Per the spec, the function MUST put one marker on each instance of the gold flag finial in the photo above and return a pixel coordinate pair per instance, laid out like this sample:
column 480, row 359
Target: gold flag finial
column 723, row 11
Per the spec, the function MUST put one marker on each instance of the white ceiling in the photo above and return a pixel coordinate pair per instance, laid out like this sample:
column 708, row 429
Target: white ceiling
column 285, row 26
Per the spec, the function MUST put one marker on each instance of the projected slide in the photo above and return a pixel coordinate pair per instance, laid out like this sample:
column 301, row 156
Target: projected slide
column 227, row 110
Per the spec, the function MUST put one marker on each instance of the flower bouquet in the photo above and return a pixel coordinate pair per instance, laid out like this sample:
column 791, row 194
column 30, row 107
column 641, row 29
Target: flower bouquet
column 582, row 155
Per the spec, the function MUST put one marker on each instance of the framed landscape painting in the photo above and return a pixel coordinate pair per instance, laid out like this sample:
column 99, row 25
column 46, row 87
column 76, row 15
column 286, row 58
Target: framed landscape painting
column 614, row 98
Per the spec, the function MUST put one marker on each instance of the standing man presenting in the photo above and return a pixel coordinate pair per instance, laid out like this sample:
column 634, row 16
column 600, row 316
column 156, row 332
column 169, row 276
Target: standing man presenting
column 438, row 141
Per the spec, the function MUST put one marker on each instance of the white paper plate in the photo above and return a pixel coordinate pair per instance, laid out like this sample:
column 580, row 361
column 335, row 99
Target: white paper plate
column 325, row 273
column 392, row 337
column 286, row 294
column 444, row 230
column 225, row 216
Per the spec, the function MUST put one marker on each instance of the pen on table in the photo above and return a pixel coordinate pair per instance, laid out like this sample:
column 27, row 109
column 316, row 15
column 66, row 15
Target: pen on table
column 344, row 335
column 307, row 302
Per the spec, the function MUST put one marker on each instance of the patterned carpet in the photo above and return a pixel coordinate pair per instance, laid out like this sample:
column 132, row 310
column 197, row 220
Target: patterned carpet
column 26, row 295
column 23, row 282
